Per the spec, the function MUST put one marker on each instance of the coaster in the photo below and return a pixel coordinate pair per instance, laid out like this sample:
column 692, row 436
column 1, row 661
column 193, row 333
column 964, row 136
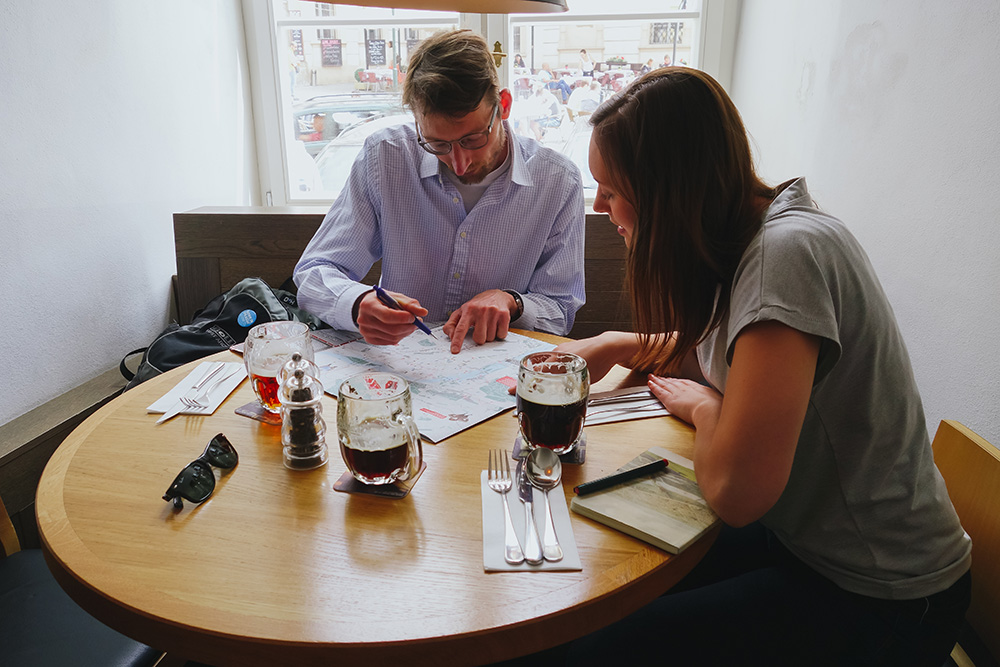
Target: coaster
column 255, row 411
column 347, row 484
column 575, row 457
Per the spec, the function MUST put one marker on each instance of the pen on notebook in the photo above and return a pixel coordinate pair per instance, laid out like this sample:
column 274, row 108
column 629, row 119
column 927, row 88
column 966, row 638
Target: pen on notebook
column 384, row 297
column 619, row 477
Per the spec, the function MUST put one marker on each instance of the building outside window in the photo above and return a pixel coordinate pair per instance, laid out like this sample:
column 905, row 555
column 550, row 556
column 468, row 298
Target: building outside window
column 336, row 77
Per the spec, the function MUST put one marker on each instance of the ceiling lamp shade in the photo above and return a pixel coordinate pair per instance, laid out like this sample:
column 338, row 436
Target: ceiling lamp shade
column 471, row 6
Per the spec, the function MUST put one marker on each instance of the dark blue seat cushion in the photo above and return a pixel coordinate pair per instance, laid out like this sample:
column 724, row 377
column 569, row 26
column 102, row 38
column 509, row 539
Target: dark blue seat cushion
column 40, row 624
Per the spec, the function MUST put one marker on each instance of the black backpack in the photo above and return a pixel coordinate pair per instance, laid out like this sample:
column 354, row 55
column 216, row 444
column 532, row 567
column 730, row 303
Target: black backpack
column 222, row 323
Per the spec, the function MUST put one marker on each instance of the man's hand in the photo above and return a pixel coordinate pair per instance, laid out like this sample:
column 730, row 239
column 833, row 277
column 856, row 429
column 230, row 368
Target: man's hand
column 381, row 325
column 487, row 314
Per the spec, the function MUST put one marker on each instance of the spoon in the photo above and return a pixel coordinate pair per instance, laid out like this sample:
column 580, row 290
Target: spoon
column 544, row 470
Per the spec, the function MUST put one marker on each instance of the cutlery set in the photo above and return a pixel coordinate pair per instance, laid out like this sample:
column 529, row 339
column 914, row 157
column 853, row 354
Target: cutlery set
column 196, row 397
column 499, row 479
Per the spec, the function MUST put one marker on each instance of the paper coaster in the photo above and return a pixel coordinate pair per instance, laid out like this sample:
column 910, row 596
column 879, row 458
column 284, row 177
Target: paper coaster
column 575, row 457
column 348, row 484
column 255, row 411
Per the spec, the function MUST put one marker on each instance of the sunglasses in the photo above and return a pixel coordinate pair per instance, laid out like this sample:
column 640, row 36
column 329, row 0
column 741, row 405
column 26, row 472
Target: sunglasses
column 196, row 481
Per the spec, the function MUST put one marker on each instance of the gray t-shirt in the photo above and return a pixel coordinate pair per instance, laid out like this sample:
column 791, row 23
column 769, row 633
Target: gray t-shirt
column 865, row 505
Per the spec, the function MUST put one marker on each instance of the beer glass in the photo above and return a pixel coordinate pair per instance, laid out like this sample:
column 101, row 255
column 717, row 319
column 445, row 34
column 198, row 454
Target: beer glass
column 552, row 393
column 268, row 346
column 378, row 437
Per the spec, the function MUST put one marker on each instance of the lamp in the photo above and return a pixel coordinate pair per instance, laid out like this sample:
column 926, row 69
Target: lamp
column 471, row 6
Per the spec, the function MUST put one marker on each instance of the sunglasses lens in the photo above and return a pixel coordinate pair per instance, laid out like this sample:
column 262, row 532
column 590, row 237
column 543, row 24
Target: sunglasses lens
column 195, row 483
column 221, row 453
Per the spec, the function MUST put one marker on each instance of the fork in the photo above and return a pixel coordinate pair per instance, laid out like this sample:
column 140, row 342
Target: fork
column 499, row 479
column 198, row 402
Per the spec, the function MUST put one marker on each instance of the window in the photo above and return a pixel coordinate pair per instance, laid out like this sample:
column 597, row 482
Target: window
column 327, row 76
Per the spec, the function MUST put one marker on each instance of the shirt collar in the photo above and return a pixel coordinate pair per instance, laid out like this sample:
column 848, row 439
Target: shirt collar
column 430, row 165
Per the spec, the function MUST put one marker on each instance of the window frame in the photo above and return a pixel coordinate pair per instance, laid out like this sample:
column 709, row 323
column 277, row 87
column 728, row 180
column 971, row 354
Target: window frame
column 715, row 47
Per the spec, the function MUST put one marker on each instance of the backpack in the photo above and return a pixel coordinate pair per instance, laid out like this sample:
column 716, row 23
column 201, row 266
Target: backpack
column 222, row 323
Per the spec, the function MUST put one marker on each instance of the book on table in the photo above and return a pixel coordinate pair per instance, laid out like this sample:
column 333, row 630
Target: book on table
column 665, row 509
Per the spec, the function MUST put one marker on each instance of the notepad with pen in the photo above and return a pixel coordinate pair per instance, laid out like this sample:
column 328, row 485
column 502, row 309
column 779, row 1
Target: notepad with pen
column 664, row 508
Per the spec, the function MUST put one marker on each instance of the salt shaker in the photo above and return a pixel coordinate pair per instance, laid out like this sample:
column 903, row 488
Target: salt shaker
column 303, row 430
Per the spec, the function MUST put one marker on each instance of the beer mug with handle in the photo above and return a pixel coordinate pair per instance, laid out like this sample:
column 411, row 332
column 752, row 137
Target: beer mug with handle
column 552, row 393
column 378, row 438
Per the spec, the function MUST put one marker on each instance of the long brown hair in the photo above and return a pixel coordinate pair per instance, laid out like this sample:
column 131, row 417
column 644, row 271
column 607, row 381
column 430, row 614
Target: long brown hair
column 674, row 145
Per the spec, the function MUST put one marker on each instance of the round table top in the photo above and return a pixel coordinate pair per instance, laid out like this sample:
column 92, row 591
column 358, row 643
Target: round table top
column 278, row 568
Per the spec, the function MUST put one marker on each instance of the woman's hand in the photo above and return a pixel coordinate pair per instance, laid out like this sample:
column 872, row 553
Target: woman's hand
column 603, row 351
column 682, row 398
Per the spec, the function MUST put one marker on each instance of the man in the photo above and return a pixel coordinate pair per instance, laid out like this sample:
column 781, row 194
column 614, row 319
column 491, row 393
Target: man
column 474, row 225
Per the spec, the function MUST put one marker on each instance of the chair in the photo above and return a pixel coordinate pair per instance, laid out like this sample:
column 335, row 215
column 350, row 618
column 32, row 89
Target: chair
column 41, row 625
column 971, row 469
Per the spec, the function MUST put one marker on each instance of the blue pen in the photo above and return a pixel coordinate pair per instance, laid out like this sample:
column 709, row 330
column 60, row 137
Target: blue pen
column 384, row 297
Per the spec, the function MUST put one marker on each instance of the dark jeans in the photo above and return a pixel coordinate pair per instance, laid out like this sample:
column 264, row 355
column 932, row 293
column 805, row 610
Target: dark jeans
column 751, row 602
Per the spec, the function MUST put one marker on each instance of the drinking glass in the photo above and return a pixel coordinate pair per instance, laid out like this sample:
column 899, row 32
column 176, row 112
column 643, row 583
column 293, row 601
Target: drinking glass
column 268, row 346
column 378, row 437
column 552, row 393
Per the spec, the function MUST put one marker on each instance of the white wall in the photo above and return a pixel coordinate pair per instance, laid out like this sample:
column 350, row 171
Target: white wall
column 892, row 112
column 114, row 114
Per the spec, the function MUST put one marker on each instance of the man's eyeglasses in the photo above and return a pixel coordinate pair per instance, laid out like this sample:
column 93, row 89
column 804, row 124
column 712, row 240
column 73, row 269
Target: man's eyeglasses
column 469, row 142
column 196, row 481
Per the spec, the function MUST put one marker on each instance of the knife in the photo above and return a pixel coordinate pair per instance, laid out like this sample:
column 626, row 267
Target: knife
column 532, row 545
column 179, row 407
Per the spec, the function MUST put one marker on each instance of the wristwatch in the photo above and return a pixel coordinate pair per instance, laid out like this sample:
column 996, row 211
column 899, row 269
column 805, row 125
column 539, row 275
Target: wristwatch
column 519, row 302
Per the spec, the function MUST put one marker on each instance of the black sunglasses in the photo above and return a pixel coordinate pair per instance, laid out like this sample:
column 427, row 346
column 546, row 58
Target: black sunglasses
column 197, row 481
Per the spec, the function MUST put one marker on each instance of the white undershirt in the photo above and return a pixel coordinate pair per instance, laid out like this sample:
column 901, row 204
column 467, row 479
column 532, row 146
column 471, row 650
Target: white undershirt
column 471, row 193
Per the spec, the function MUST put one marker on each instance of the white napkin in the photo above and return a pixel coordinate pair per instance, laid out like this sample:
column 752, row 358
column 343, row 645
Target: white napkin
column 493, row 523
column 236, row 372
column 635, row 403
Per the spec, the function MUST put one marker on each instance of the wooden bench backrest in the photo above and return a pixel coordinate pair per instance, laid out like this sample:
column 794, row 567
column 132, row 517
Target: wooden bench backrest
column 219, row 246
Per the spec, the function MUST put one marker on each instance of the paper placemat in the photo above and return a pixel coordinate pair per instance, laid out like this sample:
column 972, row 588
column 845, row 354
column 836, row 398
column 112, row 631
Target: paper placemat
column 493, row 523
column 215, row 398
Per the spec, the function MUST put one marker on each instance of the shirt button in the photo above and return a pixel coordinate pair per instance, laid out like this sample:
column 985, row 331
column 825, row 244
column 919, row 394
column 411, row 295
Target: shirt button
column 463, row 235
column 456, row 275
column 455, row 199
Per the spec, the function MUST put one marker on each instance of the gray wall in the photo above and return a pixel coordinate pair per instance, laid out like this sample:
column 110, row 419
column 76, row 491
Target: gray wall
column 890, row 110
column 114, row 114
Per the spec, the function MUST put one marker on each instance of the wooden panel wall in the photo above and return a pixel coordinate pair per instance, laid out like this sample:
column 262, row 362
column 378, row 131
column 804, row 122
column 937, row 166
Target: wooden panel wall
column 219, row 246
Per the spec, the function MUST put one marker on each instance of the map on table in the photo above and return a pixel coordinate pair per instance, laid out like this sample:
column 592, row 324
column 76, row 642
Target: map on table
column 450, row 392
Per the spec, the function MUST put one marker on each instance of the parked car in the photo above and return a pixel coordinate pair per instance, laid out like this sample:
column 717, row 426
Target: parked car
column 335, row 160
column 320, row 119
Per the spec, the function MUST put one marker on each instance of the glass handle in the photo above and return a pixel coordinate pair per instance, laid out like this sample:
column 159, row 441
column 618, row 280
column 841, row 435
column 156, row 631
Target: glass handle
column 414, row 446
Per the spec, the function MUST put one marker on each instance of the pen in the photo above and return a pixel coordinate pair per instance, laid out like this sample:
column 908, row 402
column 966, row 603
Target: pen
column 384, row 297
column 619, row 477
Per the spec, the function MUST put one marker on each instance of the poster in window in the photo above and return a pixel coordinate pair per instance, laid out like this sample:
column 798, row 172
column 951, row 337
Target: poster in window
column 375, row 52
column 333, row 55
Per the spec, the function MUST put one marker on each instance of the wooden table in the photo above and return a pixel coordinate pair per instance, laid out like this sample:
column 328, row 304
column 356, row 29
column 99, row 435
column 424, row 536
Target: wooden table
column 278, row 568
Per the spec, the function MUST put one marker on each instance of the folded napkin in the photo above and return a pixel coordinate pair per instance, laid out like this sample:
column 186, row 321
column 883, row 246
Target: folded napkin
column 221, row 386
column 623, row 405
column 493, row 545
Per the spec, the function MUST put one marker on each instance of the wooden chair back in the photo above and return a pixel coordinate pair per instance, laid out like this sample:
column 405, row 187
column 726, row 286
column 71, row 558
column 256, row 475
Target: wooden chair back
column 971, row 469
column 9, row 543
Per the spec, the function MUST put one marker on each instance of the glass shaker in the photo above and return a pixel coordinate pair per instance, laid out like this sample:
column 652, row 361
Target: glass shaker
column 303, row 430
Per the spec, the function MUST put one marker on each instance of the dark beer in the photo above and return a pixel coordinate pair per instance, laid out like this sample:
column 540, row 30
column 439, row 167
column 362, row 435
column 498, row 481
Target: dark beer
column 556, row 427
column 375, row 466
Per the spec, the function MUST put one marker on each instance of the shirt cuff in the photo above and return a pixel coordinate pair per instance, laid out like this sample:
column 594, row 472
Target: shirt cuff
column 345, row 304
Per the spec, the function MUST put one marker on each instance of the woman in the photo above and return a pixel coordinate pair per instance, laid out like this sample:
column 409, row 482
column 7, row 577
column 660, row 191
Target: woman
column 841, row 544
